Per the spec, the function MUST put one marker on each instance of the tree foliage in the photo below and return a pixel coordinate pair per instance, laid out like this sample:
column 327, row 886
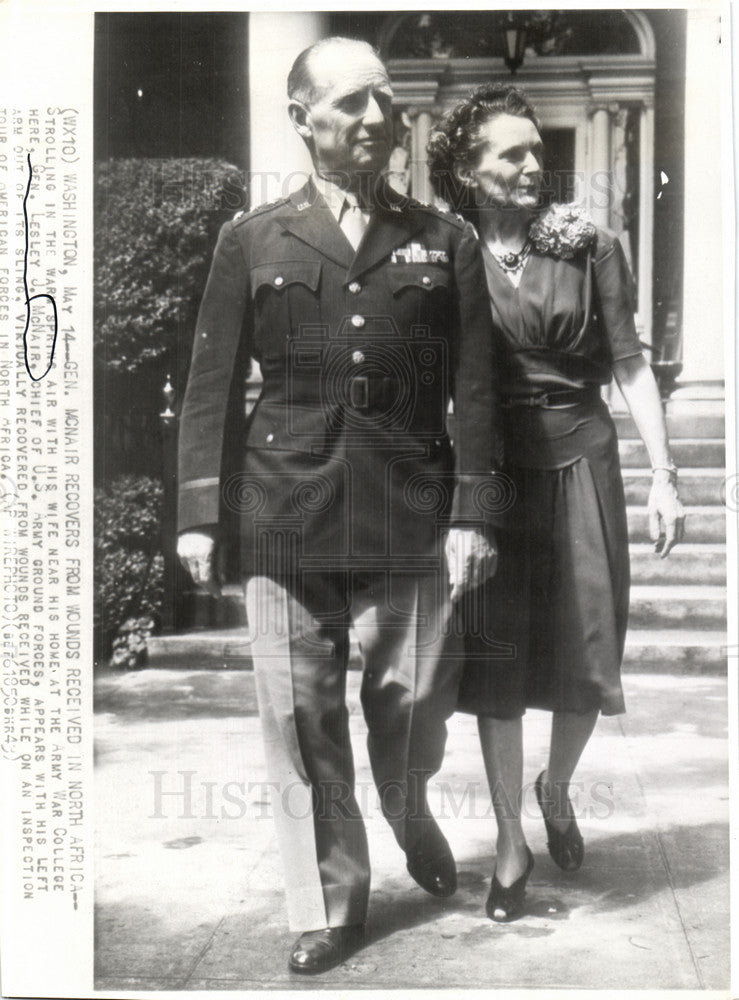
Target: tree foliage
column 128, row 566
column 155, row 223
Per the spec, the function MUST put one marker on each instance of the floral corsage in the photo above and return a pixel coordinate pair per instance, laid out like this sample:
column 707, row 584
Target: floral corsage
column 562, row 230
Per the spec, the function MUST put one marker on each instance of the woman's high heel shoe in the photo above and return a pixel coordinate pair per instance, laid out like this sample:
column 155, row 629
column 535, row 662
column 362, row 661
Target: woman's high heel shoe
column 505, row 902
column 567, row 848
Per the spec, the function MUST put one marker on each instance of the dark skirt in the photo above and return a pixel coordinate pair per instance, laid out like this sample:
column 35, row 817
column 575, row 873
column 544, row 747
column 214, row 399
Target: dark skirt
column 548, row 630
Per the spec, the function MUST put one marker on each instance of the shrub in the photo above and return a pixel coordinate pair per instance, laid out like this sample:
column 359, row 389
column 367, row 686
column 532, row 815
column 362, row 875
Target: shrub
column 155, row 223
column 129, row 567
column 155, row 227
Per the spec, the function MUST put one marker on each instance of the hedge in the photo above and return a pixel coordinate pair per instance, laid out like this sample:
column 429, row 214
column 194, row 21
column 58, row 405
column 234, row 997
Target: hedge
column 129, row 567
column 155, row 224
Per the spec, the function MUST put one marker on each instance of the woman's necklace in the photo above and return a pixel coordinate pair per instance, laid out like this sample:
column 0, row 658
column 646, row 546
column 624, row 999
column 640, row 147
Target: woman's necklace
column 513, row 260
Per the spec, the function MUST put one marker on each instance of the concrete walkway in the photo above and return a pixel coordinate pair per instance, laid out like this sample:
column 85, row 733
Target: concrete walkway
column 189, row 884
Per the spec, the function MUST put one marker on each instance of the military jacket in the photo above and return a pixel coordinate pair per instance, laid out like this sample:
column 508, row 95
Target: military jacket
column 345, row 460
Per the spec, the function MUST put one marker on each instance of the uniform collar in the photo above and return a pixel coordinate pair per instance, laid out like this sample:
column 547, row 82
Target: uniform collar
column 333, row 195
column 313, row 222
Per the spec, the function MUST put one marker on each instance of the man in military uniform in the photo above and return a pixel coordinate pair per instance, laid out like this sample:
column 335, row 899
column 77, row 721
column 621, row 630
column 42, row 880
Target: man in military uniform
column 367, row 312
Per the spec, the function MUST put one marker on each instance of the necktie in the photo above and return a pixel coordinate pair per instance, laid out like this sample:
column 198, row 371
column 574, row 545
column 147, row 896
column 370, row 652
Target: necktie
column 353, row 221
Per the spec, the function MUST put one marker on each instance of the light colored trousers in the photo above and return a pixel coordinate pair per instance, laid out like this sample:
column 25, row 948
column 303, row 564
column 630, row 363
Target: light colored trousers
column 300, row 646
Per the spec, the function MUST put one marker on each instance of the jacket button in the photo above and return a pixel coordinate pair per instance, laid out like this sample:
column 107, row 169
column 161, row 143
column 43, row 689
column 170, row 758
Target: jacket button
column 357, row 357
column 279, row 280
column 426, row 280
column 355, row 288
column 358, row 322
column 270, row 438
column 204, row 335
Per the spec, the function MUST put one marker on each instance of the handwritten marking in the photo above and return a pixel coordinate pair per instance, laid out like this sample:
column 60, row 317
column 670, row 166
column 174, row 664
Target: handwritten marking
column 8, row 494
column 40, row 295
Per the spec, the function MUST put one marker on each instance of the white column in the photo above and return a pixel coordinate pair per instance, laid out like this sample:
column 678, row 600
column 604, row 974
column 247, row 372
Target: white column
column 278, row 158
column 703, row 351
column 646, row 228
column 600, row 167
column 420, row 184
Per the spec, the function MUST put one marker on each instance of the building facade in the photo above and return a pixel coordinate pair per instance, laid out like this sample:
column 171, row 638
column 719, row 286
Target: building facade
column 628, row 101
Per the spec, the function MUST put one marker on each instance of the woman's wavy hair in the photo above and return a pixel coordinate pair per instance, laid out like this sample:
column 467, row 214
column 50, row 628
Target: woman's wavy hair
column 455, row 139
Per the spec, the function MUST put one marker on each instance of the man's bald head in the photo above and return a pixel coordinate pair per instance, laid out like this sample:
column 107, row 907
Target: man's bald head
column 341, row 106
column 301, row 81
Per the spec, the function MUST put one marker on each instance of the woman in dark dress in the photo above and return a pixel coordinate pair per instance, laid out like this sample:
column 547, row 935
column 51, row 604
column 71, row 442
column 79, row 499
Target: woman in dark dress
column 554, row 615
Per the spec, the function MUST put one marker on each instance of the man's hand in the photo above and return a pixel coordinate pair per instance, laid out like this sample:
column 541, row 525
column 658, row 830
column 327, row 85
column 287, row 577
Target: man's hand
column 471, row 559
column 666, row 514
column 196, row 550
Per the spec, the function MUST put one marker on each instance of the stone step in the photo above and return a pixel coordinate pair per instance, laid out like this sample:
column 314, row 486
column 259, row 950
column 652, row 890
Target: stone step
column 661, row 606
column 678, row 651
column 686, row 452
column 680, row 425
column 697, row 563
column 214, row 648
column 688, row 563
column 703, row 486
column 676, row 606
column 702, row 524
column 231, row 608
column 694, row 573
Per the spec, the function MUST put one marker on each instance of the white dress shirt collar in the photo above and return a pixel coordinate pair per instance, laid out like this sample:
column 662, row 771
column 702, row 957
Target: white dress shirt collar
column 336, row 197
column 332, row 193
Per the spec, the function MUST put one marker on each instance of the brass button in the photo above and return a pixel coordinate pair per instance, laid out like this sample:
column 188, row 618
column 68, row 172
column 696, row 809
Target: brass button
column 270, row 438
column 357, row 357
column 358, row 322
column 204, row 335
column 426, row 280
column 355, row 288
column 279, row 280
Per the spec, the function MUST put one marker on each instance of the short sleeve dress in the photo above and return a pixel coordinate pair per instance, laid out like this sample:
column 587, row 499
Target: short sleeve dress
column 548, row 630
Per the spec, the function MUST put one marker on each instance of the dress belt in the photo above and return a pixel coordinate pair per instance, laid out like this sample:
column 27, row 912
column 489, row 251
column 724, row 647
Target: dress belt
column 556, row 397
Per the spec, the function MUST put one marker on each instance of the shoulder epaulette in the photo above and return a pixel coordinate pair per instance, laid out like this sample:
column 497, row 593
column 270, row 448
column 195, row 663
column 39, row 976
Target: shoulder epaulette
column 454, row 217
column 243, row 216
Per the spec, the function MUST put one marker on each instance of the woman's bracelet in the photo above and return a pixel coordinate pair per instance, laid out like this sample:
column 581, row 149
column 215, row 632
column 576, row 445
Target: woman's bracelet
column 672, row 469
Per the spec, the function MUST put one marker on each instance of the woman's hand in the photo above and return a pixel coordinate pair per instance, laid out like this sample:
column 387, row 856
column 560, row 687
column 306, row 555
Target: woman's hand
column 666, row 513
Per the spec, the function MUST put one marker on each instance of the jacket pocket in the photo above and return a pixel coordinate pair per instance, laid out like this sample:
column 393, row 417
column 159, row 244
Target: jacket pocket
column 421, row 294
column 287, row 300
column 276, row 427
column 281, row 276
column 427, row 277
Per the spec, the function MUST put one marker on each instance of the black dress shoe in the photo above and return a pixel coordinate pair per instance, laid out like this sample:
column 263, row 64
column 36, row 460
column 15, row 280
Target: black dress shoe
column 567, row 848
column 505, row 902
column 431, row 863
column 319, row 951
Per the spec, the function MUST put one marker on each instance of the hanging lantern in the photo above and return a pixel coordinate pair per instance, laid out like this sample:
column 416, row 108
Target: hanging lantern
column 515, row 42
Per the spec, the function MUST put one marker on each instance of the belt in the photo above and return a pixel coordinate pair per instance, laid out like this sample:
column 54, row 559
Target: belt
column 364, row 393
column 557, row 397
column 360, row 392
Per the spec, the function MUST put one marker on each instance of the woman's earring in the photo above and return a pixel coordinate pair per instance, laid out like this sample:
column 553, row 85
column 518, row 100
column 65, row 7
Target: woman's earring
column 464, row 177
